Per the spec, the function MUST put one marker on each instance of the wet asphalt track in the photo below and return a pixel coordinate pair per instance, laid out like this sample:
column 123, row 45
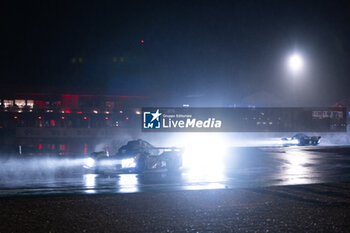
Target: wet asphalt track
column 241, row 167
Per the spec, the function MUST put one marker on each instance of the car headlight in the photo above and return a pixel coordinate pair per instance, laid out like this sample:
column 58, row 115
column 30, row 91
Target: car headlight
column 295, row 141
column 89, row 162
column 128, row 163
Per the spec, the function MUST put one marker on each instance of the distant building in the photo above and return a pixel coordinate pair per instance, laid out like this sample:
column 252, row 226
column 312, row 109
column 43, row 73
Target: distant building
column 50, row 121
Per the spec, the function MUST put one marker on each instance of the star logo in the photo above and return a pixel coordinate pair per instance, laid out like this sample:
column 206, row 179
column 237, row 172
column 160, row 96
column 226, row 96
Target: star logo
column 156, row 115
column 151, row 119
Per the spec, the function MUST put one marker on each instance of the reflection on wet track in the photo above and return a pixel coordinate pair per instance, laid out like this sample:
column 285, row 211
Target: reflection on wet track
column 240, row 167
column 296, row 170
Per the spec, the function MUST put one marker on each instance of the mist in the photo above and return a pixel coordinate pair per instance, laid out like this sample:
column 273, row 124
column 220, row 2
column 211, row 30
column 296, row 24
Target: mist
column 27, row 171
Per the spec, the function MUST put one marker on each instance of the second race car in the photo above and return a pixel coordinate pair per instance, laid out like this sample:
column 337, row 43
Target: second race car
column 301, row 140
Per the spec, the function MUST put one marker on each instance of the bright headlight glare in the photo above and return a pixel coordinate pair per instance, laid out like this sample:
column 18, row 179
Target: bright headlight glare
column 205, row 152
column 128, row 163
column 89, row 162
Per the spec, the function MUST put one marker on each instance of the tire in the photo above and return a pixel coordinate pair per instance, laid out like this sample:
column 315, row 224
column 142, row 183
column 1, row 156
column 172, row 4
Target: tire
column 174, row 164
column 141, row 164
column 98, row 171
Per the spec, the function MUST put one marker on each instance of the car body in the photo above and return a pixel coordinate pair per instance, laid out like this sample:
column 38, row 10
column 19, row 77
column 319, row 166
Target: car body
column 301, row 139
column 136, row 156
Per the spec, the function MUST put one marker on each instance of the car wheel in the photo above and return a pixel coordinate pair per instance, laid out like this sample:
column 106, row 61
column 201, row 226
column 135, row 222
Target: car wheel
column 98, row 171
column 173, row 164
column 141, row 164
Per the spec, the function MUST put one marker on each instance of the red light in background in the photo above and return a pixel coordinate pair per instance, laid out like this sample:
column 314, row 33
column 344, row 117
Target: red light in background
column 40, row 103
column 67, row 111
column 142, row 41
column 106, row 118
column 52, row 123
column 40, row 146
column 62, row 117
column 15, row 117
column 126, row 118
column 63, row 147
column 79, row 112
column 85, row 149
column 70, row 102
column 84, row 117
column 40, row 117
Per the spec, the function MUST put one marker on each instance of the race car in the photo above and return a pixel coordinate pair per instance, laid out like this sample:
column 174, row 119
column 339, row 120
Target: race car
column 301, row 140
column 136, row 156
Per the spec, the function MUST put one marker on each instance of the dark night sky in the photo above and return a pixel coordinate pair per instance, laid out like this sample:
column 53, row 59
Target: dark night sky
column 223, row 49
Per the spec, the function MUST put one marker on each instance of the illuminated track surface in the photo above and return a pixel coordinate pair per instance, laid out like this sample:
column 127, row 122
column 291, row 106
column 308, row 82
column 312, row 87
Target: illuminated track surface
column 240, row 167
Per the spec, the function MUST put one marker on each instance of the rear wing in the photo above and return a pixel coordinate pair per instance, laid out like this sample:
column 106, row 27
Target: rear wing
column 178, row 149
